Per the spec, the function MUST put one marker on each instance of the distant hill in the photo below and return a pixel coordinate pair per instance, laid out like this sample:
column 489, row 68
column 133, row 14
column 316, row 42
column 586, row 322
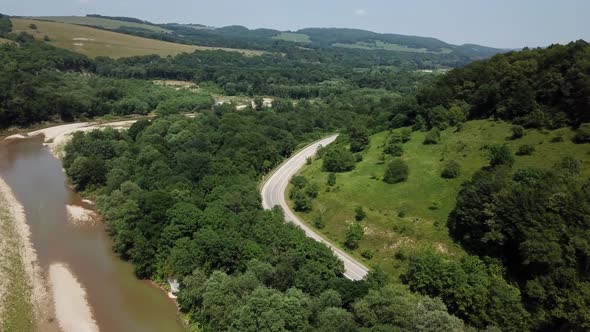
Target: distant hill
column 96, row 42
column 104, row 22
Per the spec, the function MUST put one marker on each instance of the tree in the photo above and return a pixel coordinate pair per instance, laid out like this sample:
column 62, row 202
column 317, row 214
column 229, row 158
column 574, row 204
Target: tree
column 86, row 172
column 359, row 213
column 432, row 137
column 451, row 170
column 338, row 159
column 397, row 171
column 517, row 132
column 331, row 179
column 395, row 150
column 359, row 139
column 500, row 155
column 335, row 319
column 354, row 234
column 582, row 134
column 33, row 26
column 525, row 150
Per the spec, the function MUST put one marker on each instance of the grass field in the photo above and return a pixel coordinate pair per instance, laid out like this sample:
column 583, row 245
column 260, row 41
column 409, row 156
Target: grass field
column 425, row 198
column 293, row 37
column 379, row 45
column 95, row 42
column 100, row 22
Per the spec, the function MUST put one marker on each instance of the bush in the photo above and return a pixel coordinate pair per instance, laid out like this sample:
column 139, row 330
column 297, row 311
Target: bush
column 583, row 134
column 331, row 179
column 338, row 159
column 517, row 132
column 46, row 38
column 359, row 213
column 397, row 171
column 569, row 165
column 432, row 137
column 308, row 161
column 299, row 181
column 368, row 253
column 33, row 26
column 500, row 155
column 525, row 150
column 557, row 139
column 318, row 222
column 406, row 135
column 395, row 150
column 452, row 170
column 353, row 235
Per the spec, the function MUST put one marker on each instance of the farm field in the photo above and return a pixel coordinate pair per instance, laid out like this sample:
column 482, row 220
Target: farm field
column 379, row 45
column 95, row 42
column 404, row 217
column 293, row 37
column 100, row 22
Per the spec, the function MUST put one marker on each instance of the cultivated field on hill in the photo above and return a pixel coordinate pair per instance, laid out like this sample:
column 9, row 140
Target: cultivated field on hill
column 95, row 42
column 100, row 22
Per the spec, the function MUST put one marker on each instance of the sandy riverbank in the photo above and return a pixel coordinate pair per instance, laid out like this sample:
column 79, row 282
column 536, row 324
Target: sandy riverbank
column 80, row 216
column 21, row 280
column 71, row 307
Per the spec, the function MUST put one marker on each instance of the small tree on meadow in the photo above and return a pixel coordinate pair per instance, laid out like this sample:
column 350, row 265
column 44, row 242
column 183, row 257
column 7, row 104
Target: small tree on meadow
column 354, row 234
column 331, row 179
column 500, row 155
column 452, row 170
column 359, row 213
column 397, row 171
column 432, row 137
column 517, row 132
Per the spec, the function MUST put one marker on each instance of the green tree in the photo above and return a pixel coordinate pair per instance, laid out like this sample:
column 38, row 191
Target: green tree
column 517, row 132
column 432, row 137
column 397, row 171
column 500, row 155
column 359, row 213
column 354, row 234
column 338, row 159
column 331, row 179
column 582, row 134
column 451, row 170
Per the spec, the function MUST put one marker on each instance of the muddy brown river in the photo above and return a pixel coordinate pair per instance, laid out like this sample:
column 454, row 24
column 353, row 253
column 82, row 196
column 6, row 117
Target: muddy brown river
column 118, row 300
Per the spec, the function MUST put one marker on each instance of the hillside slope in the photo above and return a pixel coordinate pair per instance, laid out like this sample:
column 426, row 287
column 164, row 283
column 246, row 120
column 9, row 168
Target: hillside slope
column 95, row 42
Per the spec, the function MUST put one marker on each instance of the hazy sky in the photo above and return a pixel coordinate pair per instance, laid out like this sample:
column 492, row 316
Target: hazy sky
column 499, row 23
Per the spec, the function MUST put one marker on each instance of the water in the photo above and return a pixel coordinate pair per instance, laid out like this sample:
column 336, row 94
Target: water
column 119, row 301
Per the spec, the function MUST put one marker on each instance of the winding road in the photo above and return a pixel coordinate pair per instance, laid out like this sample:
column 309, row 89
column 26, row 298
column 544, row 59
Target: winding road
column 273, row 193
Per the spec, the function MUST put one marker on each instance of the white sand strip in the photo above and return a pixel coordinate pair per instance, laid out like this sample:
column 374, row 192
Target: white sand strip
column 71, row 307
column 78, row 215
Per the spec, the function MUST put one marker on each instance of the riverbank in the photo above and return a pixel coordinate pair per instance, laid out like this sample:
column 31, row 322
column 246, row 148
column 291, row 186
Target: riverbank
column 25, row 303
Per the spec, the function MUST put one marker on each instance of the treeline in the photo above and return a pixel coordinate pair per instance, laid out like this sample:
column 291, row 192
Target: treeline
column 534, row 88
column 179, row 198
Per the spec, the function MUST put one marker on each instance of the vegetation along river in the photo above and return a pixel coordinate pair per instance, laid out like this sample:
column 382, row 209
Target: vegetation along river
column 117, row 300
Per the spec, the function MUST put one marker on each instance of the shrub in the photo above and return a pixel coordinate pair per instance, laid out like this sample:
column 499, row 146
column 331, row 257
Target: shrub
column 46, row 38
column 331, row 179
column 432, row 137
column 517, row 132
column 308, row 161
column 318, row 222
column 500, row 155
column 358, row 157
column 525, row 150
column 557, row 139
column 570, row 165
column 299, row 181
column 395, row 150
column 353, row 235
column 368, row 253
column 406, row 135
column 397, row 171
column 583, row 134
column 312, row 190
column 359, row 213
column 452, row 170
column 33, row 26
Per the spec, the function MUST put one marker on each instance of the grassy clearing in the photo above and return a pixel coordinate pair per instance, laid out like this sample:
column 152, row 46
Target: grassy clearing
column 379, row 45
column 95, row 42
column 16, row 310
column 406, row 216
column 101, row 22
column 293, row 37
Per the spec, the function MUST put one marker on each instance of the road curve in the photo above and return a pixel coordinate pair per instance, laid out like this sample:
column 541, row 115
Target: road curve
column 273, row 193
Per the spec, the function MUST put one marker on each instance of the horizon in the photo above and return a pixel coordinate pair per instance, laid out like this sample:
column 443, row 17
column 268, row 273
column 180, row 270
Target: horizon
column 501, row 24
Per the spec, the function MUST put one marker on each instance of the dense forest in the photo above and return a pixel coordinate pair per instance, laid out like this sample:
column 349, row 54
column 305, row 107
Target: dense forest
column 534, row 88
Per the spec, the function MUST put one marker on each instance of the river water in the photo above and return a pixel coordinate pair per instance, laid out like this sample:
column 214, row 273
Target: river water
column 118, row 300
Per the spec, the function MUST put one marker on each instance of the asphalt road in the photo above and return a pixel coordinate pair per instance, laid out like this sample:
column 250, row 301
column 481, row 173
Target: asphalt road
column 273, row 193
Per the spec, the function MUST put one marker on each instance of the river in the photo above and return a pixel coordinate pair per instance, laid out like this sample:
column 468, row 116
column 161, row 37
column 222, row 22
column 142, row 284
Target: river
column 117, row 299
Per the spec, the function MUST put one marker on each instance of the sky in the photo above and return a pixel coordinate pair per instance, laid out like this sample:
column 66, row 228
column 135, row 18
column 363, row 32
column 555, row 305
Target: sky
column 496, row 23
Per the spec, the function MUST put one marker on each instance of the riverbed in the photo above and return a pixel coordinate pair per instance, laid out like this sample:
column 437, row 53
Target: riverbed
column 79, row 252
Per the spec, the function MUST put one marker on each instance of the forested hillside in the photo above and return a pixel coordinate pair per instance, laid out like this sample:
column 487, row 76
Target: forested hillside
column 534, row 88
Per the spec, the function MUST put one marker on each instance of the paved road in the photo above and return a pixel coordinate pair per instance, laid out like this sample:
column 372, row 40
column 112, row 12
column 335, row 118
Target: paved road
column 273, row 193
